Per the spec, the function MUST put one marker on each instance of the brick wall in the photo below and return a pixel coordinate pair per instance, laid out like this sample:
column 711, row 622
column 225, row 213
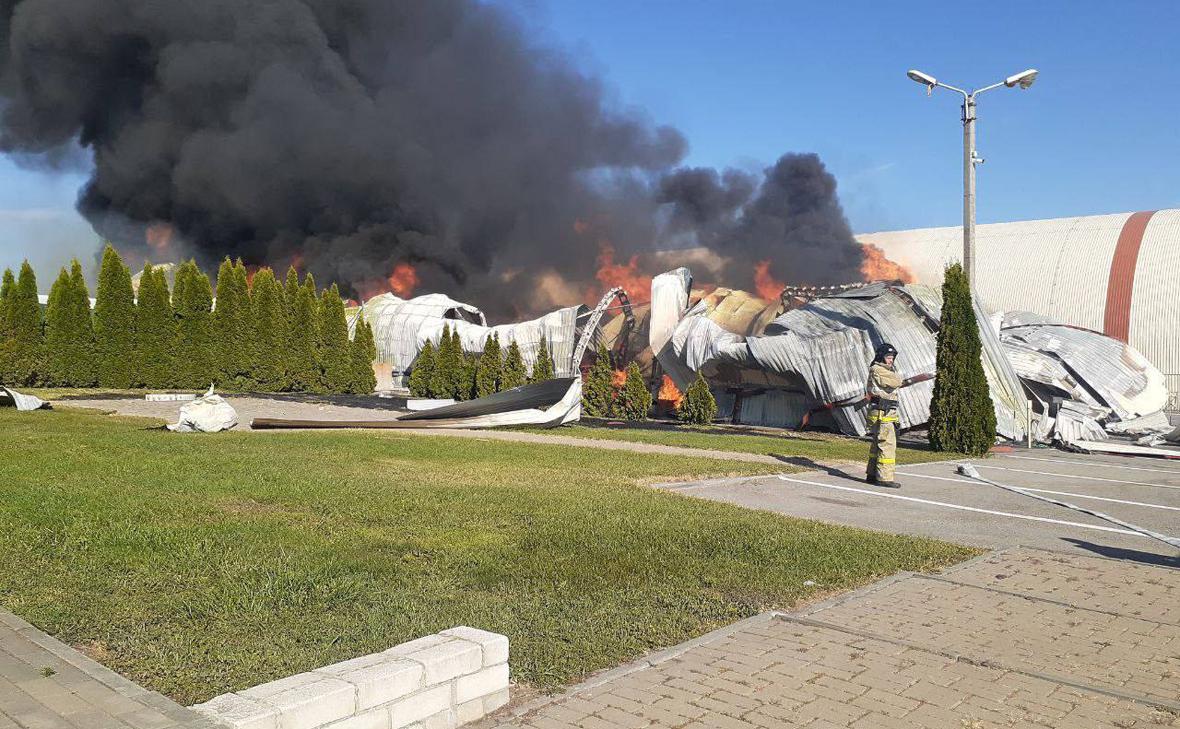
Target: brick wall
column 437, row 682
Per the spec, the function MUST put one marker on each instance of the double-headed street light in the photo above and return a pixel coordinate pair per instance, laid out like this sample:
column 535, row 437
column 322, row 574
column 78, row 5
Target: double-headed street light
column 1024, row 79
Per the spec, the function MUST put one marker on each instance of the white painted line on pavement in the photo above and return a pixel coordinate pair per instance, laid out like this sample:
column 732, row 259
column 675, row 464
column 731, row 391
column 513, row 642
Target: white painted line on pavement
column 960, row 507
column 1084, row 478
column 1047, row 491
column 1097, row 464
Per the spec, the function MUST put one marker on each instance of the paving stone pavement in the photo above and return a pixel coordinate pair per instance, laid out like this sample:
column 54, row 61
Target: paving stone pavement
column 1021, row 638
column 45, row 684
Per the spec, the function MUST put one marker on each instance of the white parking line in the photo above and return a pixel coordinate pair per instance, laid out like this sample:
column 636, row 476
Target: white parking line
column 1047, row 491
column 960, row 507
column 1097, row 464
column 1084, row 478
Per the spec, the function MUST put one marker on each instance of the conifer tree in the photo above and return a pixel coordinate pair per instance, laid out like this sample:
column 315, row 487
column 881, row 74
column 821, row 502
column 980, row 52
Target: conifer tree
column 515, row 372
column 444, row 380
column 192, row 303
column 698, row 406
column 82, row 359
column 155, row 331
column 290, row 294
column 22, row 354
column 232, row 327
column 421, row 382
column 962, row 417
column 59, row 337
column 114, row 322
column 248, row 357
column 335, row 359
column 468, row 373
column 489, row 371
column 634, row 400
column 364, row 353
column 543, row 367
column 9, row 283
column 270, row 332
column 303, row 368
column 598, row 393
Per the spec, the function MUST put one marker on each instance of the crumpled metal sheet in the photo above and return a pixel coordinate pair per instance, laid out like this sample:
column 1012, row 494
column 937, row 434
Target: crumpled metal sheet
column 826, row 346
column 1098, row 369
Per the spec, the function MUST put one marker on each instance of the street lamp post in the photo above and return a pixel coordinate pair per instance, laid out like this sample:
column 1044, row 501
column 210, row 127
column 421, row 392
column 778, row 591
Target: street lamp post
column 1024, row 79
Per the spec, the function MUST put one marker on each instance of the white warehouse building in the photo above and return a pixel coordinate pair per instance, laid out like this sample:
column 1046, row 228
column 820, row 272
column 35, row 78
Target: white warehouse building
column 1116, row 274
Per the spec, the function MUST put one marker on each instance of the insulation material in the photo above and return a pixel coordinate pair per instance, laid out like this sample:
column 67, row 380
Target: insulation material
column 209, row 413
column 24, row 403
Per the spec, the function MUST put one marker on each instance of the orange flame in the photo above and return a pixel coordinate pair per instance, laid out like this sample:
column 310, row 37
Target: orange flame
column 159, row 239
column 403, row 280
column 877, row 267
column 670, row 393
column 767, row 286
column 618, row 379
column 297, row 261
column 250, row 271
column 627, row 275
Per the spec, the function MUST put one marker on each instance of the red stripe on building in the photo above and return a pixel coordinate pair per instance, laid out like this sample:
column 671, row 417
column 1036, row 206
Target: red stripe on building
column 1117, row 322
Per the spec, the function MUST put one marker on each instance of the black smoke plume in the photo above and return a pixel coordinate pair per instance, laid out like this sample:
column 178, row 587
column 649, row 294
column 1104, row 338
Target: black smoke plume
column 353, row 135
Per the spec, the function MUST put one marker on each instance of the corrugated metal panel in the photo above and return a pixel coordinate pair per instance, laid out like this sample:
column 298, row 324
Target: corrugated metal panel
column 1155, row 305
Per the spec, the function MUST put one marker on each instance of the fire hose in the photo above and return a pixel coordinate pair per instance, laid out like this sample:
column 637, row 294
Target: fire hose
column 858, row 399
column 966, row 469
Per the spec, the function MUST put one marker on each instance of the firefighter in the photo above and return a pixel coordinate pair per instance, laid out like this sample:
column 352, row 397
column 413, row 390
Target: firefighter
column 883, row 387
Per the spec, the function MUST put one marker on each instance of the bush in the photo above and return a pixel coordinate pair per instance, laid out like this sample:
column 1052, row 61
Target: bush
column 155, row 331
column 270, row 332
column 6, row 287
column 364, row 352
column 515, row 373
column 192, row 302
column 114, row 322
column 489, row 372
column 421, row 382
column 543, row 367
column 598, row 392
column 634, row 400
column 962, row 418
column 698, row 406
column 22, row 353
column 69, row 336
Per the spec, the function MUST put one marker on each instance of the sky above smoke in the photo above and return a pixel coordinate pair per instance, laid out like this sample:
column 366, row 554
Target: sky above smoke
column 351, row 136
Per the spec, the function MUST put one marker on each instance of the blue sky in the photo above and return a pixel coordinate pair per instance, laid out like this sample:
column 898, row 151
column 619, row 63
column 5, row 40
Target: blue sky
column 748, row 81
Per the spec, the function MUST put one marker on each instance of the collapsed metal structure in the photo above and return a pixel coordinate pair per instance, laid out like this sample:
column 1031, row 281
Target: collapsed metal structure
column 803, row 360
column 809, row 364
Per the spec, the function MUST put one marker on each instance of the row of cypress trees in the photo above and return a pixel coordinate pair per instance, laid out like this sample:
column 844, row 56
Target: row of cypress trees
column 261, row 336
column 446, row 371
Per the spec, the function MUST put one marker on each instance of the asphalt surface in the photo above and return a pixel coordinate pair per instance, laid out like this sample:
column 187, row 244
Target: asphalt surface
column 935, row 501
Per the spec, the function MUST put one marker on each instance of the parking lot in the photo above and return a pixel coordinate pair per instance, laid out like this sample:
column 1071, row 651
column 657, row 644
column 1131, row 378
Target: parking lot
column 935, row 501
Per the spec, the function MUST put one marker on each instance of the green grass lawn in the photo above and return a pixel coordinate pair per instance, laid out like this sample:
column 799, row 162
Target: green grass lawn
column 802, row 447
column 199, row 564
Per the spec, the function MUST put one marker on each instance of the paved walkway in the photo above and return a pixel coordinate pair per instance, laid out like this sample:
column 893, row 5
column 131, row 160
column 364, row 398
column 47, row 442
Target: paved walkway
column 45, row 684
column 1021, row 638
column 934, row 501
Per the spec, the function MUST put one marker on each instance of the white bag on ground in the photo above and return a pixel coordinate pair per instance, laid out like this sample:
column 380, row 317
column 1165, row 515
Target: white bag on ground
column 209, row 413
